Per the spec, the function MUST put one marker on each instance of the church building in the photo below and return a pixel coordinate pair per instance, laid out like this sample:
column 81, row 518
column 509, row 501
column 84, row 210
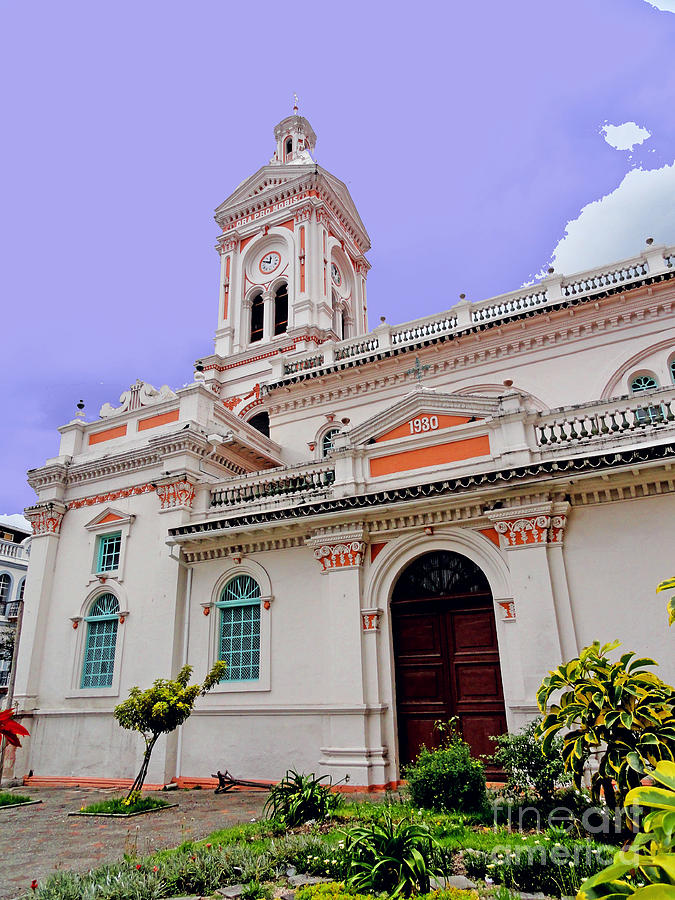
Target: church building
column 375, row 528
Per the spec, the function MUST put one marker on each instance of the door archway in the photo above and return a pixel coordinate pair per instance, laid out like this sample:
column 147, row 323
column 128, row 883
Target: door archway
column 446, row 655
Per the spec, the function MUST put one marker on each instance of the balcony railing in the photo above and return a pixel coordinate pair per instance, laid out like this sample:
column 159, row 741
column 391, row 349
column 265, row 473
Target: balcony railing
column 299, row 482
column 13, row 551
column 653, row 411
column 551, row 292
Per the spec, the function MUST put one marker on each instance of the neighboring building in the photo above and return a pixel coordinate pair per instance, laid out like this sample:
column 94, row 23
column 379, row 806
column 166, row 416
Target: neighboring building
column 376, row 529
column 14, row 554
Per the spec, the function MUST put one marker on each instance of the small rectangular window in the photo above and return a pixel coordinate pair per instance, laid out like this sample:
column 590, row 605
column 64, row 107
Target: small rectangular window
column 109, row 546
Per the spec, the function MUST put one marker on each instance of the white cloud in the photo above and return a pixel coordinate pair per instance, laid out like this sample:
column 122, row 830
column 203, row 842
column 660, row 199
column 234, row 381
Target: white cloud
column 663, row 5
column 617, row 225
column 626, row 136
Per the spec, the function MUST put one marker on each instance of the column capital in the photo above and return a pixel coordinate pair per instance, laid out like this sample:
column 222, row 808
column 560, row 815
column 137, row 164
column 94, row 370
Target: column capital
column 529, row 526
column 344, row 550
column 46, row 517
column 176, row 492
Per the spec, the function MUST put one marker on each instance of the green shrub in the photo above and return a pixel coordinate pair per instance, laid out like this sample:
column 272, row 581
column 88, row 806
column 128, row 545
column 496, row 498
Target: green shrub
column 390, row 856
column 447, row 779
column 529, row 772
column 555, row 868
column 300, row 798
column 338, row 891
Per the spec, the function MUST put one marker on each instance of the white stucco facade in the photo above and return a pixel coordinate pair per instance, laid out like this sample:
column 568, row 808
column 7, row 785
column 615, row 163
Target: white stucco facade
column 510, row 432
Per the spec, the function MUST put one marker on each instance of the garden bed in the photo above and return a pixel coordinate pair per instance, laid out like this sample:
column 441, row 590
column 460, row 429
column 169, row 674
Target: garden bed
column 11, row 801
column 120, row 808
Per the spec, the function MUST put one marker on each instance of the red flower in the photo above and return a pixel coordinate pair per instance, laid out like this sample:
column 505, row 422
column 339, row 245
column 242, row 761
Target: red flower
column 138, row 865
column 34, row 884
column 155, row 868
column 10, row 729
column 208, row 845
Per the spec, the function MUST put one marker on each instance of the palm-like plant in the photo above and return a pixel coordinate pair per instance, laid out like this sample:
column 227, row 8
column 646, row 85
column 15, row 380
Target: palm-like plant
column 389, row 856
column 299, row 798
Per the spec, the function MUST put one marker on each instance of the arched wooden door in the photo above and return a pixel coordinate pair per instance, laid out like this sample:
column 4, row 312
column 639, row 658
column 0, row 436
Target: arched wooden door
column 446, row 654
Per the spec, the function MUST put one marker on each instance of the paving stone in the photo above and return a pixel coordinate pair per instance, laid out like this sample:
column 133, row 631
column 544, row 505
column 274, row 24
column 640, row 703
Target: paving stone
column 456, row 881
column 232, row 891
column 536, row 896
column 302, row 880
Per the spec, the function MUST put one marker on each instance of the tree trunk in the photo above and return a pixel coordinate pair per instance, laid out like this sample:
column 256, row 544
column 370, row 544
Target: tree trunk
column 140, row 778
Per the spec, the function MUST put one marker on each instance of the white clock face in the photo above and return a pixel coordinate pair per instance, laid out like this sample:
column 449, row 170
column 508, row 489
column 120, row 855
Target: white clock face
column 335, row 274
column 270, row 262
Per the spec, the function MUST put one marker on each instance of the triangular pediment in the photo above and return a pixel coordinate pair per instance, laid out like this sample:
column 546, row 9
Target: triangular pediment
column 109, row 518
column 272, row 183
column 423, row 411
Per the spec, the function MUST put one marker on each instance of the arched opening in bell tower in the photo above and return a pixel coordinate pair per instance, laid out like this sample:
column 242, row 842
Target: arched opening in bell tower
column 257, row 318
column 281, row 309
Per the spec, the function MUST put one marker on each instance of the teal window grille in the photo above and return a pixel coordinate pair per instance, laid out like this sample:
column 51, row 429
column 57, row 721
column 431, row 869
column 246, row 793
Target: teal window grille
column 328, row 441
column 99, row 652
column 239, row 638
column 643, row 383
column 109, row 547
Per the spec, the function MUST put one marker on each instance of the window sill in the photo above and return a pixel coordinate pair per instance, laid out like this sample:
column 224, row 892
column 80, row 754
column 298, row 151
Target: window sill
column 240, row 687
column 93, row 692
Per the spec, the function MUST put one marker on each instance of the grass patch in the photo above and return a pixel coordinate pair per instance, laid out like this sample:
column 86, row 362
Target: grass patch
column 9, row 799
column 121, row 806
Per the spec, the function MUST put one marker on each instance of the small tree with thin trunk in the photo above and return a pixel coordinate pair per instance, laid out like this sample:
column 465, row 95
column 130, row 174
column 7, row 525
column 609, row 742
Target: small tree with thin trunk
column 161, row 708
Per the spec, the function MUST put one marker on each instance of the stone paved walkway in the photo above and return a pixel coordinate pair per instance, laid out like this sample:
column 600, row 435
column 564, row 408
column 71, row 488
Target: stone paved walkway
column 36, row 840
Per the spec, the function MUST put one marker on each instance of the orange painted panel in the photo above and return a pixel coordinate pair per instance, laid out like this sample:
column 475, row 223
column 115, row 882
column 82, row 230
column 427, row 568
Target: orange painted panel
column 491, row 534
column 375, row 549
column 245, row 241
column 161, row 419
column 290, row 225
column 404, row 429
column 111, row 517
column 108, row 435
column 431, row 456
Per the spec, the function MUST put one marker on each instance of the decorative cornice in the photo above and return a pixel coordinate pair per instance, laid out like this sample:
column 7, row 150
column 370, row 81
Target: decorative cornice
column 557, row 469
column 111, row 496
column 46, row 518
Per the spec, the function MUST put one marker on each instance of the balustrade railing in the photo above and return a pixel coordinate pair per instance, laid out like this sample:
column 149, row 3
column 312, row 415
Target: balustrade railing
column 365, row 345
column 418, row 331
column 652, row 412
column 287, row 483
column 13, row 551
column 300, row 365
column 599, row 280
column 509, row 307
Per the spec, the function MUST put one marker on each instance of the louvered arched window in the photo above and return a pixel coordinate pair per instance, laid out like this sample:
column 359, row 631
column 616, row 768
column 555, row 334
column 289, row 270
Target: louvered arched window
column 239, row 635
column 328, row 441
column 101, row 642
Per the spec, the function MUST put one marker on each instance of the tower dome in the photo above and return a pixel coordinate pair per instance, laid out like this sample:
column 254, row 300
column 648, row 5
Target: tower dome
column 295, row 140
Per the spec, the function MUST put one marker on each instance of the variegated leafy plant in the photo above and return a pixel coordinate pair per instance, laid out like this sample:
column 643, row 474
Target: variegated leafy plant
column 619, row 710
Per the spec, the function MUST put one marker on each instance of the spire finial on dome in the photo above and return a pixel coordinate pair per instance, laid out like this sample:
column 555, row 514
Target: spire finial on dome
column 295, row 104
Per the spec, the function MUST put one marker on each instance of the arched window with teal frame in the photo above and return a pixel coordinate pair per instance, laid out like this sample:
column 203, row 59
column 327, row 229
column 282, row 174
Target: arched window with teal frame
column 239, row 629
column 101, row 642
column 642, row 383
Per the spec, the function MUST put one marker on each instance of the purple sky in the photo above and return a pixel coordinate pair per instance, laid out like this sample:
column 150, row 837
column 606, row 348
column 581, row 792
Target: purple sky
column 469, row 135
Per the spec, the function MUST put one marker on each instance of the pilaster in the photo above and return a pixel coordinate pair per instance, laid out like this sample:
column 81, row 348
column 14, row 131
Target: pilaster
column 524, row 535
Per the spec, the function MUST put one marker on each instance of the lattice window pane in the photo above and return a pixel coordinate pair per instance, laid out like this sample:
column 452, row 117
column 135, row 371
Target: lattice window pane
column 99, row 656
column 328, row 441
column 440, row 574
column 643, row 383
column 109, row 546
column 239, row 644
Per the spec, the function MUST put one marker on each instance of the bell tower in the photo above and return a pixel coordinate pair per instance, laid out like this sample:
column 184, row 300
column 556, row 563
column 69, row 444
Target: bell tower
column 292, row 248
